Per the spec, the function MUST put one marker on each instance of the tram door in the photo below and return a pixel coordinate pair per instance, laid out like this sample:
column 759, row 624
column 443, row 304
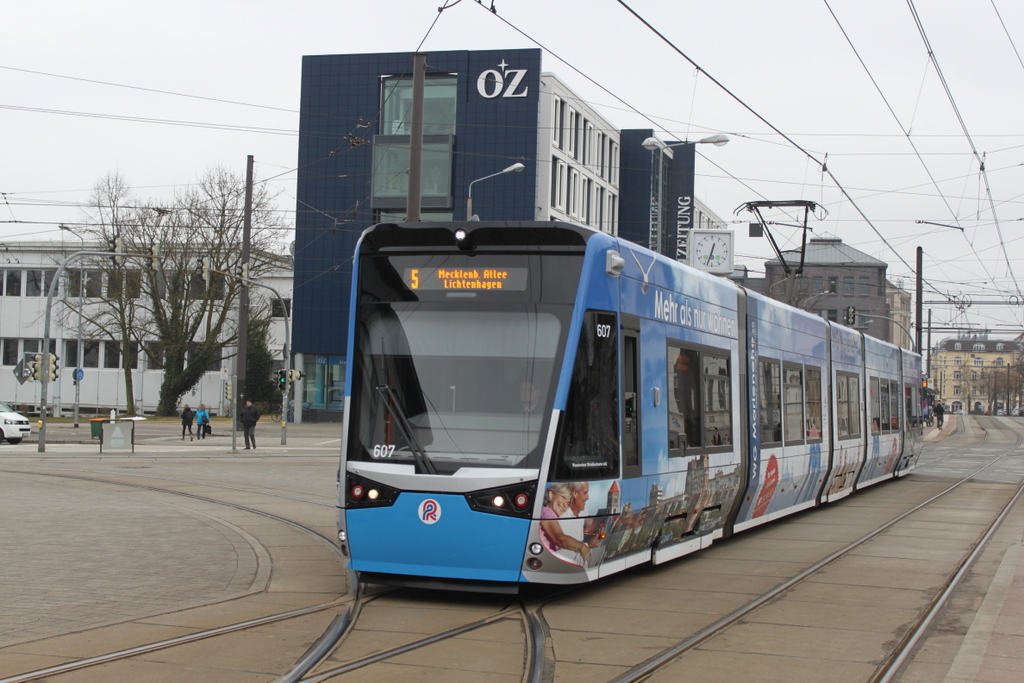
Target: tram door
column 631, row 425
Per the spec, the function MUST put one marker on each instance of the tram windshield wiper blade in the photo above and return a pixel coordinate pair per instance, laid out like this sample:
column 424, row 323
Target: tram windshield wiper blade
column 423, row 460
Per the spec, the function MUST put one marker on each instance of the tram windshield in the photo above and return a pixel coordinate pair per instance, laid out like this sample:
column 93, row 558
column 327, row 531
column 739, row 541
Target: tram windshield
column 457, row 382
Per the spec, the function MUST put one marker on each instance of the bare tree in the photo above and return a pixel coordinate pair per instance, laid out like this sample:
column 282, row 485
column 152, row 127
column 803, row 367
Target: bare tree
column 163, row 307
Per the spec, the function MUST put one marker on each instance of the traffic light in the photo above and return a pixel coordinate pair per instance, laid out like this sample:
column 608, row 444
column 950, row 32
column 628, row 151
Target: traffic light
column 117, row 247
column 154, row 255
column 52, row 367
column 282, row 380
column 851, row 315
column 205, row 265
column 229, row 390
column 37, row 367
column 294, row 375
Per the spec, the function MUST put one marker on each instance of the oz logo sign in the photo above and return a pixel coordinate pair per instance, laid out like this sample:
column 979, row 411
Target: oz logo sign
column 505, row 83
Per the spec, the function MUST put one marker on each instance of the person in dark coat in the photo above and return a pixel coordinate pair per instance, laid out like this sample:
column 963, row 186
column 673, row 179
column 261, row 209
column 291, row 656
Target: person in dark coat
column 186, row 422
column 939, row 413
column 249, row 416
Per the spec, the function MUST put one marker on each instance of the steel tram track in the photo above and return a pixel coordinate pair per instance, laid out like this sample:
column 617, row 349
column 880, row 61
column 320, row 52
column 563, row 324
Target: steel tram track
column 320, row 648
column 897, row 658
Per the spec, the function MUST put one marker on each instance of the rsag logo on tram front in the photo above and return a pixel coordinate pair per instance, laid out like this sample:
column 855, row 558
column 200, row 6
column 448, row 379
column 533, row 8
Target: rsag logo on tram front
column 430, row 511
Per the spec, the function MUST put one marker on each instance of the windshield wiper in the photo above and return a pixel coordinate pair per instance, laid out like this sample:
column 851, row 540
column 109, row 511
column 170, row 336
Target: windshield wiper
column 423, row 462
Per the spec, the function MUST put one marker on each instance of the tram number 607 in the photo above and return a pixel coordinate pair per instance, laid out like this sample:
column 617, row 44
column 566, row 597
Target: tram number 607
column 380, row 451
column 604, row 331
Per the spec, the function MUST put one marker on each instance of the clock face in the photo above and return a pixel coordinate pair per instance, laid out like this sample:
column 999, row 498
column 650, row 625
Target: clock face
column 712, row 252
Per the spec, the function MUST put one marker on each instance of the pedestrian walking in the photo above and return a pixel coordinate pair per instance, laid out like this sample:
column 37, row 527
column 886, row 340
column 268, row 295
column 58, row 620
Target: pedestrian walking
column 202, row 421
column 186, row 422
column 249, row 416
column 939, row 413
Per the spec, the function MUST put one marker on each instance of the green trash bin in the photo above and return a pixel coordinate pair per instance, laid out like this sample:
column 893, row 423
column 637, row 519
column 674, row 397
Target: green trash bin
column 96, row 426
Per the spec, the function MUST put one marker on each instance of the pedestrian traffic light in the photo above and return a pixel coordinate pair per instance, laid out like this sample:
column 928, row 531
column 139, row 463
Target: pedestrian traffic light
column 851, row 315
column 52, row 367
column 229, row 390
column 282, row 380
column 117, row 247
column 37, row 367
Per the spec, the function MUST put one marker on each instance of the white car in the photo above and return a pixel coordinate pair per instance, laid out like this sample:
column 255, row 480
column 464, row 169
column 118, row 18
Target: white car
column 13, row 425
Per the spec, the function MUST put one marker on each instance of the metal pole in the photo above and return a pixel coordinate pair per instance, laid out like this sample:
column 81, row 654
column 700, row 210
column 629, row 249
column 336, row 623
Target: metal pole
column 414, row 194
column 243, row 297
column 920, row 293
column 78, row 348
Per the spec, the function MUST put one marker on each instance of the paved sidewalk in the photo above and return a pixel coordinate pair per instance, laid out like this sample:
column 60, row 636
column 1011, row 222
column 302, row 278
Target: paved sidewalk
column 168, row 431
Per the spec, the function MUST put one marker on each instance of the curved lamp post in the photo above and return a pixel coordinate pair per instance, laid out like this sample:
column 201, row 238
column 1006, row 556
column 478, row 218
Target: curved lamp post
column 514, row 168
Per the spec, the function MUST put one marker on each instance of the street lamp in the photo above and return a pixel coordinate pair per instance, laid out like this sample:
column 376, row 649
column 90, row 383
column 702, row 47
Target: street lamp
column 653, row 143
column 78, row 346
column 514, row 168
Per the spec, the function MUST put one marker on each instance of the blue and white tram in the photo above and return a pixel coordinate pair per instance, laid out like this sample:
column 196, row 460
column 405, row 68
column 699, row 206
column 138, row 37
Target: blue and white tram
column 540, row 402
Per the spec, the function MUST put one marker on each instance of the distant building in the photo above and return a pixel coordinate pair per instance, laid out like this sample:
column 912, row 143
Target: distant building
column 835, row 276
column 973, row 373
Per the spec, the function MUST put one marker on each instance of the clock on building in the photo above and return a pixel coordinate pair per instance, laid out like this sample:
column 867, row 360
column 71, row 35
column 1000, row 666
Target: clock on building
column 710, row 250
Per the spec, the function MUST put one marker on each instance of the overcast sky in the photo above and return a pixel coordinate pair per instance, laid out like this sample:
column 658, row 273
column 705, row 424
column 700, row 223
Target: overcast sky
column 160, row 93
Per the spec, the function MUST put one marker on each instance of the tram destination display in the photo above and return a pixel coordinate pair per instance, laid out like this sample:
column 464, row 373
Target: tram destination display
column 466, row 279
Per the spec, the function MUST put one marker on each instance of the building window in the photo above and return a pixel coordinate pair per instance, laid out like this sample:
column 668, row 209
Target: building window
column 10, row 352
column 572, row 132
column 558, row 125
column 999, row 347
column 275, row 307
column 998, row 362
column 956, row 346
column 37, row 282
column 956, row 389
column 833, row 315
column 439, row 97
column 817, row 282
column 979, row 361
column 13, row 282
column 94, row 284
column 91, row 354
column 957, row 374
column 978, row 348
column 833, row 284
column 848, row 288
column 865, row 286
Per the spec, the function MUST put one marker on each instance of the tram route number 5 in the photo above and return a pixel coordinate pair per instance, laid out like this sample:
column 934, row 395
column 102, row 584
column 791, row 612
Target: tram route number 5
column 380, row 451
column 604, row 331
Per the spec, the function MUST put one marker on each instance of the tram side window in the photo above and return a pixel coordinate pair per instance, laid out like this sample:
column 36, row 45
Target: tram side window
column 894, row 405
column 770, row 402
column 813, row 404
column 587, row 445
column 793, row 390
column 700, row 404
column 717, row 404
column 848, row 405
column 883, row 405
column 873, row 408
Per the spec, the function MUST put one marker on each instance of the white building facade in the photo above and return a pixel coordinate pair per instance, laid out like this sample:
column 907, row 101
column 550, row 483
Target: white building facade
column 26, row 271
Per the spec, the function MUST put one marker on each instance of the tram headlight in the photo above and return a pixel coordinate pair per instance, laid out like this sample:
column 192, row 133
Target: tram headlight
column 534, row 563
column 514, row 501
column 363, row 492
column 536, row 548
